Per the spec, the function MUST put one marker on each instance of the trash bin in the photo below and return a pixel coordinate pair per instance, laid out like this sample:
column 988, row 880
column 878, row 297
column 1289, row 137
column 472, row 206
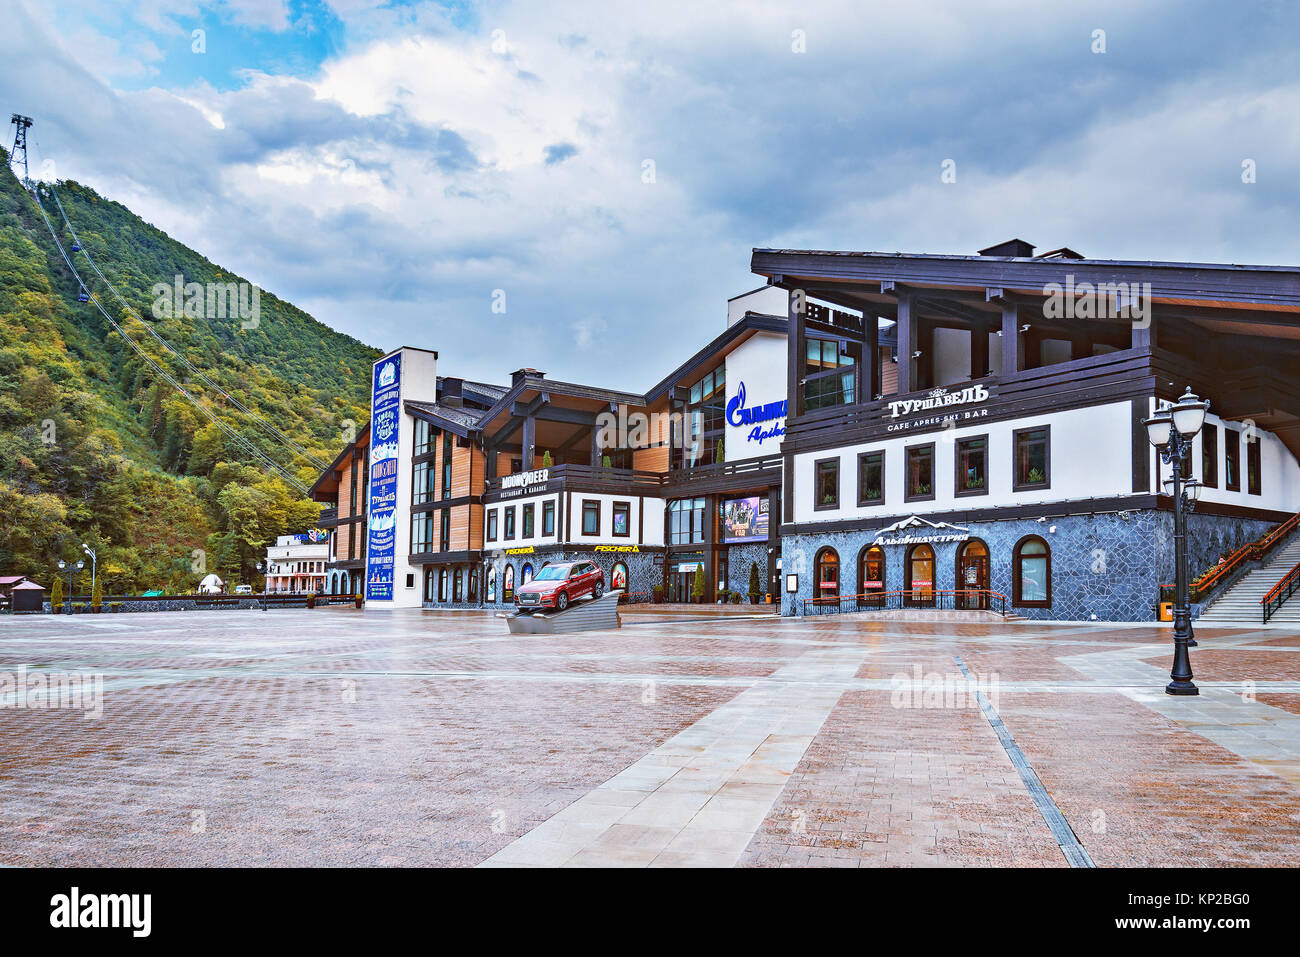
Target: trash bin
column 1166, row 611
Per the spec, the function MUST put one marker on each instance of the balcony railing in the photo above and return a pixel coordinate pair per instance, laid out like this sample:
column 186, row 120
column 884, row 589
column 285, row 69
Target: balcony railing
column 640, row 481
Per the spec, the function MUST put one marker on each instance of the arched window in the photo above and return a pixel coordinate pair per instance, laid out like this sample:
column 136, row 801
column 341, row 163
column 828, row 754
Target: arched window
column 458, row 586
column 972, row 574
column 492, row 585
column 871, row 575
column 472, row 575
column 1031, row 570
column 918, row 569
column 827, row 567
column 525, row 574
column 508, row 584
column 442, row 585
column 618, row 577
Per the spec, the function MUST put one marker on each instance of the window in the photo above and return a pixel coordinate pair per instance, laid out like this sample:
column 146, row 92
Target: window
column 472, row 580
column 622, row 519
column 618, row 577
column 827, row 566
column 1032, row 459
column 1252, row 465
column 529, row 511
column 686, row 521
column 492, row 525
column 446, row 465
column 423, row 437
column 590, row 517
column 444, row 530
column 510, row 522
column 422, row 484
column 972, row 465
column 1031, row 569
column 919, row 571
column 442, row 584
column 1232, row 460
column 492, row 585
column 525, row 574
column 919, row 476
column 508, row 584
column 422, row 532
column 458, row 586
column 548, row 518
column 706, row 420
column 1210, row 455
column 871, row 478
column 871, row 575
column 828, row 373
column 826, row 483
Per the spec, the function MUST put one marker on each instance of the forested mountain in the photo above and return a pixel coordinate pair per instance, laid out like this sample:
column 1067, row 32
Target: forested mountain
column 95, row 448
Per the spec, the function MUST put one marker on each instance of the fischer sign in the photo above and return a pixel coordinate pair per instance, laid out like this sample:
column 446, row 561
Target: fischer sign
column 939, row 399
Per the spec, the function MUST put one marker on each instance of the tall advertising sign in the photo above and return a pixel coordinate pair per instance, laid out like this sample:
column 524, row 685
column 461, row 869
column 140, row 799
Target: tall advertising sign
column 385, row 418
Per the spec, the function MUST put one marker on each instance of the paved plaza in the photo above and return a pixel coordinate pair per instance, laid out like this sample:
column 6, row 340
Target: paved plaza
column 338, row 737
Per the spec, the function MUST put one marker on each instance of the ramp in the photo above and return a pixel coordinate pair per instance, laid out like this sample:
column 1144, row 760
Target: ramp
column 599, row 615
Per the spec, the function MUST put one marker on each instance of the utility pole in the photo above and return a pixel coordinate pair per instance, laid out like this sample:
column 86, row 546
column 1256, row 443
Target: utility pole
column 21, row 123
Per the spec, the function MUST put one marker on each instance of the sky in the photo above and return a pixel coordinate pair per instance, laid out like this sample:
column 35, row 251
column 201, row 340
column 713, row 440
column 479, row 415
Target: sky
column 604, row 169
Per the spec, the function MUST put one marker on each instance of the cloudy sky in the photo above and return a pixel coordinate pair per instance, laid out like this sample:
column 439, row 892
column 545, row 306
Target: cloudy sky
column 388, row 165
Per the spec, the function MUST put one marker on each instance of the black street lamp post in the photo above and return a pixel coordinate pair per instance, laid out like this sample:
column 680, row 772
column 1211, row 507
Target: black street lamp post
column 71, row 567
column 1172, row 431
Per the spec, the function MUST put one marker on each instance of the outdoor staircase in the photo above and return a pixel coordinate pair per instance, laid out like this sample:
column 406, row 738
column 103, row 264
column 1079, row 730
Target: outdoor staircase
column 1240, row 604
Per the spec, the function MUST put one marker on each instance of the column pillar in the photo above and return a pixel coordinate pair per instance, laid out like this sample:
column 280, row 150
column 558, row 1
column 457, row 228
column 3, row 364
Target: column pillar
column 979, row 350
column 906, row 342
column 870, row 356
column 1010, row 338
column 529, row 441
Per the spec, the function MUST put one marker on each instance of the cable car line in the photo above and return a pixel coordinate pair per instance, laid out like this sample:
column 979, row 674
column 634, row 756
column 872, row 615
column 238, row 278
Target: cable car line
column 257, row 419
column 162, row 372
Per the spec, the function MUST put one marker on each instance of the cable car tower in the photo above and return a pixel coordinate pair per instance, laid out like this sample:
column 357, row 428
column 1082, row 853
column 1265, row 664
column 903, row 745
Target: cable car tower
column 21, row 123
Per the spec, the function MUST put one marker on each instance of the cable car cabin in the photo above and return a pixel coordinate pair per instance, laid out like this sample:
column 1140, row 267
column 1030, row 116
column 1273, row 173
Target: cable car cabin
column 82, row 297
column 76, row 247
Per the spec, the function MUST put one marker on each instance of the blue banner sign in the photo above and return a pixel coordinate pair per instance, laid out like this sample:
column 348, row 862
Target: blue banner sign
column 385, row 417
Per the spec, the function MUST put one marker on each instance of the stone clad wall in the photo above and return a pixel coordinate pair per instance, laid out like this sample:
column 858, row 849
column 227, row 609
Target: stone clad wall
column 1109, row 566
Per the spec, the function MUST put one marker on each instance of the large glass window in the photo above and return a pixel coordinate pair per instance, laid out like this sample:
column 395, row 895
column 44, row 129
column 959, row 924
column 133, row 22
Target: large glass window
column 529, row 511
column 919, row 570
column 826, row 482
column 685, row 521
column 422, row 532
column 871, row 478
column 492, row 525
column 458, row 588
column 871, row 575
column 1232, row 460
column 706, row 420
column 590, row 517
column 548, row 518
column 1210, row 455
column 828, row 373
column 510, row 522
column 1252, row 465
column 444, row 530
column 972, row 466
column 423, row 437
column 920, row 472
column 1031, row 462
column 422, row 483
column 1032, row 570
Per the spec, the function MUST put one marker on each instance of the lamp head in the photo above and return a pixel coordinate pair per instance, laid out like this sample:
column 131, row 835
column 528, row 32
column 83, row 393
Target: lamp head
column 62, row 564
column 1159, row 429
column 1189, row 414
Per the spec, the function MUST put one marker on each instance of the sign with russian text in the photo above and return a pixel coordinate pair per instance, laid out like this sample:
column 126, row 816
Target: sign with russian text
column 767, row 421
column 385, row 420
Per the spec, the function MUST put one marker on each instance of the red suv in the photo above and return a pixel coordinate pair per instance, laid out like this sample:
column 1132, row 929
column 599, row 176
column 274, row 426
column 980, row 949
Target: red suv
column 557, row 585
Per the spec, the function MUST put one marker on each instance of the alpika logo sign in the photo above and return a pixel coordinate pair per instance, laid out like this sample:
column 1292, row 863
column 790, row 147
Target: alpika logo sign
column 75, row 909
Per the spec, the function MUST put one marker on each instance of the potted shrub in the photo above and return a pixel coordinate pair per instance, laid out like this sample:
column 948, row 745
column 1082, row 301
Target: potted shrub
column 547, row 461
column 311, row 600
column 753, row 583
column 659, row 594
column 114, row 607
column 697, row 586
column 56, row 597
column 735, row 598
column 97, row 598
column 359, row 599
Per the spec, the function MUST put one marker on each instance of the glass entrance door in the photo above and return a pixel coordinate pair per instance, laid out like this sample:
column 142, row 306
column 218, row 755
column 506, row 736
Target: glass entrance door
column 973, row 575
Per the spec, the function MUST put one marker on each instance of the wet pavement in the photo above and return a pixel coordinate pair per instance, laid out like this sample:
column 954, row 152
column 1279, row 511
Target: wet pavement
column 331, row 737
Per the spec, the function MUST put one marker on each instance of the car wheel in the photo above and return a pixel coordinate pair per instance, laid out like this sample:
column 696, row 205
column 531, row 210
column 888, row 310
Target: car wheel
column 598, row 591
column 562, row 601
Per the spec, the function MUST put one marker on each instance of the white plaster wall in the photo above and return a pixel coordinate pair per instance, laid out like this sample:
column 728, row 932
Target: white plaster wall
column 1091, row 457
column 761, row 362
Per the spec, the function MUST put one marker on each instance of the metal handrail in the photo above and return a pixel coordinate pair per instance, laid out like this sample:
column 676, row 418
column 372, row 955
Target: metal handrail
column 1280, row 592
column 945, row 599
column 1253, row 551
